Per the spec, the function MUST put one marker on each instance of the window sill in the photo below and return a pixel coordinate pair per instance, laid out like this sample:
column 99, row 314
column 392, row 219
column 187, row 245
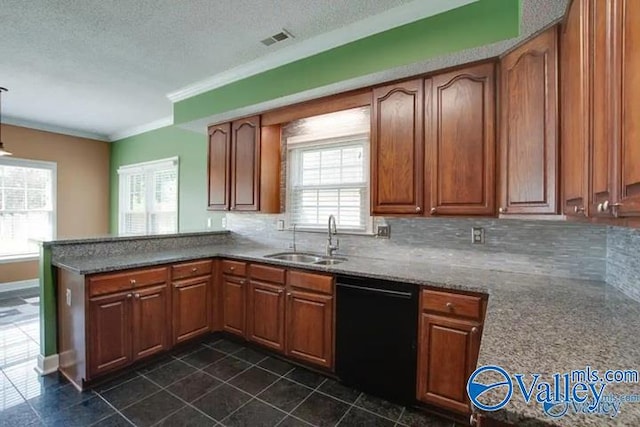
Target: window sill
column 340, row 232
column 18, row 258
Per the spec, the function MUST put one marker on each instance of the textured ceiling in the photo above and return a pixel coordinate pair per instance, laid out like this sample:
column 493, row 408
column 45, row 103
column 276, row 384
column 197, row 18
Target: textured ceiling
column 101, row 66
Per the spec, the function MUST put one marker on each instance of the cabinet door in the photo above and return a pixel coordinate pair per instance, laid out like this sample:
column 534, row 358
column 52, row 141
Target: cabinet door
column 574, row 99
column 150, row 321
column 266, row 314
column 628, row 144
column 529, row 128
column 245, row 164
column 218, row 169
column 110, row 336
column 310, row 327
column 461, row 140
column 397, row 148
column 191, row 308
column 234, row 306
column 447, row 355
column 602, row 88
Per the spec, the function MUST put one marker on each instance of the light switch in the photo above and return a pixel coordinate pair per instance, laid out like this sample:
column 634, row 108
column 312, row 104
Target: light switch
column 68, row 295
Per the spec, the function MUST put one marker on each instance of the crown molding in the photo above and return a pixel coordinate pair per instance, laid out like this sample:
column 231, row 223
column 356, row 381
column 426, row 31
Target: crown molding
column 401, row 15
column 15, row 121
column 136, row 130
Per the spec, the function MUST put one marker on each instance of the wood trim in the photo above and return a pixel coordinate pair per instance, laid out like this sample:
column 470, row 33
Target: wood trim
column 327, row 104
column 270, row 165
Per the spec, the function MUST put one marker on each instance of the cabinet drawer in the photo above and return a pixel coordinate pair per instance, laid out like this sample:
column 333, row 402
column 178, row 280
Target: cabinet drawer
column 310, row 281
column 235, row 268
column 108, row 283
column 190, row 269
column 267, row 274
column 452, row 304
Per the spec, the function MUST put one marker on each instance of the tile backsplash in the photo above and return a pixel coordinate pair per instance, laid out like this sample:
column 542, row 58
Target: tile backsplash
column 538, row 247
column 623, row 260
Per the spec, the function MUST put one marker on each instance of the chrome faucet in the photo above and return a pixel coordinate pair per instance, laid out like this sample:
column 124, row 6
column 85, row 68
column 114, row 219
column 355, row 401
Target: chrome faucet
column 293, row 244
column 331, row 248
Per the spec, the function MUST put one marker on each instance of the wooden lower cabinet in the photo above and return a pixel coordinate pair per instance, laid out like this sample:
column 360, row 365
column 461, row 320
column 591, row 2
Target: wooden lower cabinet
column 234, row 304
column 110, row 332
column 447, row 355
column 191, row 308
column 310, row 327
column 151, row 319
column 265, row 323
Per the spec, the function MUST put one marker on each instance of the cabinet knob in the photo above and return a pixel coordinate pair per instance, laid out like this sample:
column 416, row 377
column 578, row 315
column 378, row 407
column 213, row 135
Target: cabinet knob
column 578, row 209
column 418, row 209
column 600, row 207
column 288, row 294
column 502, row 210
column 194, row 269
column 137, row 296
column 280, row 291
column 232, row 268
column 433, row 211
column 232, row 208
column 474, row 330
column 450, row 305
column 242, row 282
column 129, row 296
column 132, row 281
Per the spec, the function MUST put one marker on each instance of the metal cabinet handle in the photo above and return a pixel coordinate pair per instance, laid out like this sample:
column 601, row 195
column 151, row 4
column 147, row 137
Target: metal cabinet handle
column 578, row 209
column 242, row 282
column 449, row 305
column 502, row 210
column 194, row 269
column 474, row 330
column 129, row 296
column 418, row 209
column 137, row 296
column 132, row 281
column 232, row 268
column 433, row 211
column 600, row 207
column 288, row 294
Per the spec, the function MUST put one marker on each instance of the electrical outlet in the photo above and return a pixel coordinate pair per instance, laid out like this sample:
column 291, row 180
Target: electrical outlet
column 68, row 295
column 384, row 231
column 224, row 222
column 280, row 225
column 477, row 235
column 209, row 222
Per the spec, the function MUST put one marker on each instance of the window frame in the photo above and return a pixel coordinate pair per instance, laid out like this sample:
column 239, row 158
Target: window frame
column 147, row 168
column 309, row 142
column 35, row 164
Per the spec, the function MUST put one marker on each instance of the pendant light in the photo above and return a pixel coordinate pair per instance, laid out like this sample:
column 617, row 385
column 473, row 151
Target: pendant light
column 3, row 152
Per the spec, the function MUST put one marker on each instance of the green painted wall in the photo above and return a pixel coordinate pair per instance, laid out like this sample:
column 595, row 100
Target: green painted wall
column 480, row 23
column 162, row 143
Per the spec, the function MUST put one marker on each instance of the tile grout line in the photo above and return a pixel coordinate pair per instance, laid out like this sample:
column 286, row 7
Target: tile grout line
column 400, row 417
column 118, row 412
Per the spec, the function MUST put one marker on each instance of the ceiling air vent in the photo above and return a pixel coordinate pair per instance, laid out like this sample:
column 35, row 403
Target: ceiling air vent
column 281, row 36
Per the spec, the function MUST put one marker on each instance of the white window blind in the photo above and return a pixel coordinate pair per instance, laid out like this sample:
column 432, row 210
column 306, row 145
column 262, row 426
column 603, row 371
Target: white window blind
column 27, row 205
column 329, row 179
column 149, row 197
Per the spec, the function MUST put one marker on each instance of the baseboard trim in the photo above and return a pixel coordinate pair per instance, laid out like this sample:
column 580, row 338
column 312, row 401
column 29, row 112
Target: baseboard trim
column 47, row 364
column 19, row 285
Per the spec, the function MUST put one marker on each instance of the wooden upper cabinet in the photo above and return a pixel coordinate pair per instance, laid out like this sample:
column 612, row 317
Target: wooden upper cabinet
column 245, row 164
column 627, row 85
column 574, row 99
column 461, row 142
column 219, row 167
column 397, row 148
column 529, row 127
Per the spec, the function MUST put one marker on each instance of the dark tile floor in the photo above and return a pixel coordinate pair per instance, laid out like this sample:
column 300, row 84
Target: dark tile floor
column 212, row 383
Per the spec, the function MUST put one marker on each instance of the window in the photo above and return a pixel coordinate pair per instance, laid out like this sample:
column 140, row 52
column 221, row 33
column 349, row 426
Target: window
column 27, row 205
column 149, row 197
column 330, row 178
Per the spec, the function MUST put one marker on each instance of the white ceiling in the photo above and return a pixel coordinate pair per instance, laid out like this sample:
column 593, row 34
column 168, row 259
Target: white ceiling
column 104, row 68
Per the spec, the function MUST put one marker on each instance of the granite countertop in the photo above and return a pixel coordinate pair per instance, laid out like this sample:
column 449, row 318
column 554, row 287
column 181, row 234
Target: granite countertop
column 534, row 324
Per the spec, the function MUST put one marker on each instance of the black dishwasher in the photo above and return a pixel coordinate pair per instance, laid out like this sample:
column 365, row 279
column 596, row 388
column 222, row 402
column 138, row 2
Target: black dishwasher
column 376, row 331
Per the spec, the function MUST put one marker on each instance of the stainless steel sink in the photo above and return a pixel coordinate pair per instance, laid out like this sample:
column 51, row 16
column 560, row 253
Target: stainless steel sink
column 296, row 257
column 330, row 261
column 306, row 258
